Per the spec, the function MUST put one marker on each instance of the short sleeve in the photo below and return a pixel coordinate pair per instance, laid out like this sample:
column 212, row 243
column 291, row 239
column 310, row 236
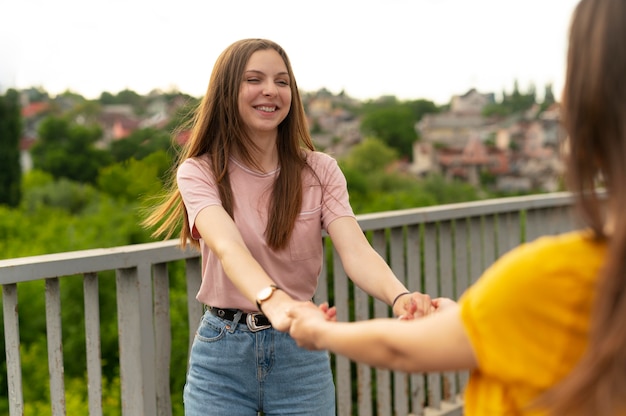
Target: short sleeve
column 197, row 188
column 335, row 197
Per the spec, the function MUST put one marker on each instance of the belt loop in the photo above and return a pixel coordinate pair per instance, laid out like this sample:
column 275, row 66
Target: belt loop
column 237, row 317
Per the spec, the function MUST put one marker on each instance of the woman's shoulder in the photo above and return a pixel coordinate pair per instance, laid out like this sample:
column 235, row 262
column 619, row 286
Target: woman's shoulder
column 542, row 270
column 566, row 255
column 194, row 166
column 566, row 245
column 195, row 162
column 315, row 158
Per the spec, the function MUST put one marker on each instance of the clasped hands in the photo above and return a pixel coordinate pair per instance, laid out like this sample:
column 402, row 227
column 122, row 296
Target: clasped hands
column 302, row 318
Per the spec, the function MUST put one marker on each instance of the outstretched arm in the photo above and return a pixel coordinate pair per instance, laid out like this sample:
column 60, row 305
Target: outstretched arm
column 221, row 235
column 436, row 343
column 369, row 271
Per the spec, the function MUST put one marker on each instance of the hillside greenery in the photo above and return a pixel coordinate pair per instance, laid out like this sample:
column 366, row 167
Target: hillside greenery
column 81, row 196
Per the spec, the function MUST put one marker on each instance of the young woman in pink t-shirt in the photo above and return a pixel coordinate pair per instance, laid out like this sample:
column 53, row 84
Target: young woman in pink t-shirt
column 254, row 196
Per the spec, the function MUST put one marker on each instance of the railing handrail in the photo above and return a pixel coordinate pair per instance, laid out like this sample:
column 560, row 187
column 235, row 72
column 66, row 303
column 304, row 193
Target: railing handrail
column 454, row 211
column 23, row 269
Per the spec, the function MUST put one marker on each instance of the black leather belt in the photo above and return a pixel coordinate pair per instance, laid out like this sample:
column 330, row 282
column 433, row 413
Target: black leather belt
column 255, row 321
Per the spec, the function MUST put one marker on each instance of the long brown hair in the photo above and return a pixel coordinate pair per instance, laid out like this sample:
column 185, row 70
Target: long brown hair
column 594, row 104
column 217, row 129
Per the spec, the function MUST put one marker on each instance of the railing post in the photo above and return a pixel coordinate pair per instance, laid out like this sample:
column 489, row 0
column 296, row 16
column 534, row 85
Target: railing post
column 136, row 337
column 381, row 310
column 55, row 347
column 194, row 308
column 12, row 348
column 163, row 339
column 92, row 343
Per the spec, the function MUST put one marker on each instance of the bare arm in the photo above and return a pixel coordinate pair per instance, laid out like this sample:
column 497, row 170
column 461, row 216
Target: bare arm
column 436, row 343
column 370, row 272
column 222, row 237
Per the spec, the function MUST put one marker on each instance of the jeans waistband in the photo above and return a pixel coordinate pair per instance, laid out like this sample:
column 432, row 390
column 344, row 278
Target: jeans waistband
column 255, row 321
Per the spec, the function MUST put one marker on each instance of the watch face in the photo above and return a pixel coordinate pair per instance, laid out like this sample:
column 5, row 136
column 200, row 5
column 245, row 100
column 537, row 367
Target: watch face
column 266, row 293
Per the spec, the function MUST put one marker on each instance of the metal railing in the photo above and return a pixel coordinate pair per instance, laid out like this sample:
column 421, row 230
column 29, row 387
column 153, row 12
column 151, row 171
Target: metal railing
column 438, row 250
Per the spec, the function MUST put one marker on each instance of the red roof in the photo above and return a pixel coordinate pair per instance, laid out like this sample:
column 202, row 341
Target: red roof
column 182, row 137
column 26, row 143
column 33, row 109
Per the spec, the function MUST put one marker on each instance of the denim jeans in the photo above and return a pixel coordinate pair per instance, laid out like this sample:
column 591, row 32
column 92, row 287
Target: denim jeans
column 235, row 372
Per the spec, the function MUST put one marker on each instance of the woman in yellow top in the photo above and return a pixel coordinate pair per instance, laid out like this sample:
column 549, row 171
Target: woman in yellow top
column 544, row 329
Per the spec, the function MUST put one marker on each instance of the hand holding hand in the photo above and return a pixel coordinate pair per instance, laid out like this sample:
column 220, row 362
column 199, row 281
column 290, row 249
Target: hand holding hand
column 413, row 305
column 443, row 303
column 330, row 312
column 278, row 313
column 306, row 321
column 276, row 309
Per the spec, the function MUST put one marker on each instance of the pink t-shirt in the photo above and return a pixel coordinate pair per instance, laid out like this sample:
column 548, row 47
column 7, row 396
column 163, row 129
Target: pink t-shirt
column 294, row 269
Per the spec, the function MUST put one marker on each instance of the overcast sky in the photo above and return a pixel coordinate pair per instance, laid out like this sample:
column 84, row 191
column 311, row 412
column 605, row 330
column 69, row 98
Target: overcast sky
column 413, row 49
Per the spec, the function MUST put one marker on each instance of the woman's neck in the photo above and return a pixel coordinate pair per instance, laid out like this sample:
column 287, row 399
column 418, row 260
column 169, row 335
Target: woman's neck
column 264, row 158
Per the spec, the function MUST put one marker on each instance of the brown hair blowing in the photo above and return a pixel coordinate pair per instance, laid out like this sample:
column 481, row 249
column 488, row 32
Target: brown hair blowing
column 594, row 106
column 217, row 129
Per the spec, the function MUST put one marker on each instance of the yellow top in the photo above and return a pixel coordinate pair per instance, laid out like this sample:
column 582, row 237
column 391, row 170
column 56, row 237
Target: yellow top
column 527, row 318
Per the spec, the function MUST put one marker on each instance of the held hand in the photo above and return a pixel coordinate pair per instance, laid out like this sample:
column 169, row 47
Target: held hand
column 306, row 321
column 331, row 313
column 443, row 303
column 413, row 305
column 279, row 318
column 276, row 310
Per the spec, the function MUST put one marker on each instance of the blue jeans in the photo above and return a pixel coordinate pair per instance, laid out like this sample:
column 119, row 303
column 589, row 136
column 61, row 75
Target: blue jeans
column 236, row 372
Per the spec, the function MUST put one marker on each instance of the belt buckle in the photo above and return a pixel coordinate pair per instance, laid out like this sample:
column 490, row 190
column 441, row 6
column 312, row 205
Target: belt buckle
column 251, row 322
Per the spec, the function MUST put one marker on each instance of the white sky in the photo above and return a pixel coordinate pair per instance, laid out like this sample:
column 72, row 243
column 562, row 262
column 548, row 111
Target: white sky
column 430, row 49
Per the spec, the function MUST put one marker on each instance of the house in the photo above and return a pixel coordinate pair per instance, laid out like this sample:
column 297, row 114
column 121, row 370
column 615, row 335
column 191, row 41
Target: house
column 454, row 127
column 522, row 151
column 118, row 121
column 32, row 115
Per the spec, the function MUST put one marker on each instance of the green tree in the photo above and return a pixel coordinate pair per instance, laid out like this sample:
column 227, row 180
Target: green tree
column 10, row 133
column 548, row 97
column 371, row 155
column 36, row 94
column 87, row 111
column 513, row 103
column 140, row 144
column 421, row 107
column 69, row 150
column 134, row 180
column 124, row 97
column 394, row 125
column 449, row 192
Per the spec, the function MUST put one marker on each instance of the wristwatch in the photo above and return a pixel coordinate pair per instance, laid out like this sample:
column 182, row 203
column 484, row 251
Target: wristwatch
column 264, row 294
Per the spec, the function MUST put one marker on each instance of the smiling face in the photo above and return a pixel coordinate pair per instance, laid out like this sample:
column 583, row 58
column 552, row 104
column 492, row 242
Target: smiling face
column 265, row 93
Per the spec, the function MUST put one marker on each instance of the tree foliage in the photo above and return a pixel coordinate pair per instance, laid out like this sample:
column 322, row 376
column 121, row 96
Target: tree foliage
column 394, row 122
column 68, row 150
column 371, row 155
column 142, row 143
column 133, row 180
column 10, row 134
column 395, row 126
column 123, row 97
column 512, row 103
